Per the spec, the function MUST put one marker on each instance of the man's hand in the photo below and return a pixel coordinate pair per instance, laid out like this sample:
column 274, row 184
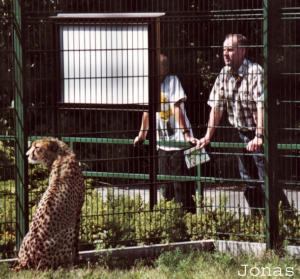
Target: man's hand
column 139, row 139
column 255, row 145
column 191, row 140
column 203, row 142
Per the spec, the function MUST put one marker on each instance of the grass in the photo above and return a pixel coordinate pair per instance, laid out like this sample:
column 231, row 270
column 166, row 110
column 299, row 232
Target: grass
column 175, row 265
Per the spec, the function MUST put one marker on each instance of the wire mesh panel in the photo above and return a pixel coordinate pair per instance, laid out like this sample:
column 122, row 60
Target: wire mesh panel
column 7, row 127
column 92, row 72
column 7, row 199
column 132, row 92
column 288, row 104
column 99, row 85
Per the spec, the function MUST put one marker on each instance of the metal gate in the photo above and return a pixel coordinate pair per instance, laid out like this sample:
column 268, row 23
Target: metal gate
column 86, row 72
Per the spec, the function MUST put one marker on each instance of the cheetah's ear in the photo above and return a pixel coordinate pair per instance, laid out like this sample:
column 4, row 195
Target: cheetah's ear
column 53, row 146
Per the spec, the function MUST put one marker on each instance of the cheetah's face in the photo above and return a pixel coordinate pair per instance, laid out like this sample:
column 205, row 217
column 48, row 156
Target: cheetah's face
column 42, row 151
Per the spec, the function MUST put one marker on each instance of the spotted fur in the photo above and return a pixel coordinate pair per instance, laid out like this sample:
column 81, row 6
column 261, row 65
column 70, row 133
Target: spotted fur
column 52, row 240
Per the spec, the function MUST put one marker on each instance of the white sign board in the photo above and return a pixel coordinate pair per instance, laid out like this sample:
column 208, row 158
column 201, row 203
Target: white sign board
column 105, row 64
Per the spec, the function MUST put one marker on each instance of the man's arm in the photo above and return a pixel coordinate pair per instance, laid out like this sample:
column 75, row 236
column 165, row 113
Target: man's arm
column 180, row 119
column 257, row 142
column 260, row 121
column 143, row 130
column 215, row 117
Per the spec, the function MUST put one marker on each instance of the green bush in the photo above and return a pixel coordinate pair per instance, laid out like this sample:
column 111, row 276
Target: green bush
column 162, row 225
column 213, row 223
column 7, row 161
column 110, row 219
column 289, row 224
column 109, row 222
column 7, row 218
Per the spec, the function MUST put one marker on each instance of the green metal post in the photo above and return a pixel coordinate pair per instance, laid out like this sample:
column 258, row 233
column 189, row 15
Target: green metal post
column 20, row 142
column 154, row 93
column 199, row 197
column 271, row 34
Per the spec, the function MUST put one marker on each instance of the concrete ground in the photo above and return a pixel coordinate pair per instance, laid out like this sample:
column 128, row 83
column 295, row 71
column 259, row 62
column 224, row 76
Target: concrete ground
column 233, row 197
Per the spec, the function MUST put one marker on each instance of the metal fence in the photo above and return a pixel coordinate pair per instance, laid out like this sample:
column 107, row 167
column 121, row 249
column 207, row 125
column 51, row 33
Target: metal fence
column 86, row 71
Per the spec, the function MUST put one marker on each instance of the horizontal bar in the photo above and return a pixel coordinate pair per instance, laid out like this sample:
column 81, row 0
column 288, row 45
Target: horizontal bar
column 289, row 101
column 32, row 19
column 107, row 15
column 140, row 176
column 226, row 11
column 290, row 183
column 185, row 178
column 290, row 18
column 137, row 176
column 97, row 140
column 291, row 14
column 281, row 146
column 163, row 143
column 4, row 137
column 227, row 145
column 288, row 146
column 194, row 47
column 290, row 8
column 170, row 143
column 290, row 156
column 290, row 45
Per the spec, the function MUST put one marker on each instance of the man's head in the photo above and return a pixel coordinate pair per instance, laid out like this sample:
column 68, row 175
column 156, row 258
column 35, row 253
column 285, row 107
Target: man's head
column 164, row 65
column 234, row 50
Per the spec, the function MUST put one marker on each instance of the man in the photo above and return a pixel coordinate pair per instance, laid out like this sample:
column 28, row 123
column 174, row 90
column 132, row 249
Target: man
column 238, row 89
column 172, row 125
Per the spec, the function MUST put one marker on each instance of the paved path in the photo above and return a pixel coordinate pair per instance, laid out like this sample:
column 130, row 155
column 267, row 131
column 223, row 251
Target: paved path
column 234, row 198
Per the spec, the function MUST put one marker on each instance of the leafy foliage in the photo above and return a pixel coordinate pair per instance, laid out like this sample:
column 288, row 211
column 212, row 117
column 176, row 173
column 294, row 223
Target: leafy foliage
column 7, row 161
column 6, row 69
column 7, row 218
column 224, row 224
column 111, row 220
column 162, row 225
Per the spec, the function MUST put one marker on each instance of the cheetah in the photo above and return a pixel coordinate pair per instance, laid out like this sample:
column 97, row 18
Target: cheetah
column 52, row 239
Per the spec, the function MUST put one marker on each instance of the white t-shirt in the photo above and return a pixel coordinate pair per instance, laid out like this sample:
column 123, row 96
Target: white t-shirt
column 168, row 130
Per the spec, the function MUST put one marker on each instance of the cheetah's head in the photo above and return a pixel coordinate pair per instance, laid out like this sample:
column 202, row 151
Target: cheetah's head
column 45, row 151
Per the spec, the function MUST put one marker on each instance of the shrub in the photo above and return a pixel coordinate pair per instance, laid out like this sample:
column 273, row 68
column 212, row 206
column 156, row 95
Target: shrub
column 111, row 220
column 7, row 161
column 162, row 225
column 7, row 218
column 289, row 224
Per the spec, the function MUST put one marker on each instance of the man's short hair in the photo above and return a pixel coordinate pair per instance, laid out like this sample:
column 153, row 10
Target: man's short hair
column 241, row 39
column 164, row 60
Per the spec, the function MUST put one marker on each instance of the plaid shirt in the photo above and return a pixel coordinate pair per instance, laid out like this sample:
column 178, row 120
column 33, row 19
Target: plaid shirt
column 241, row 94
